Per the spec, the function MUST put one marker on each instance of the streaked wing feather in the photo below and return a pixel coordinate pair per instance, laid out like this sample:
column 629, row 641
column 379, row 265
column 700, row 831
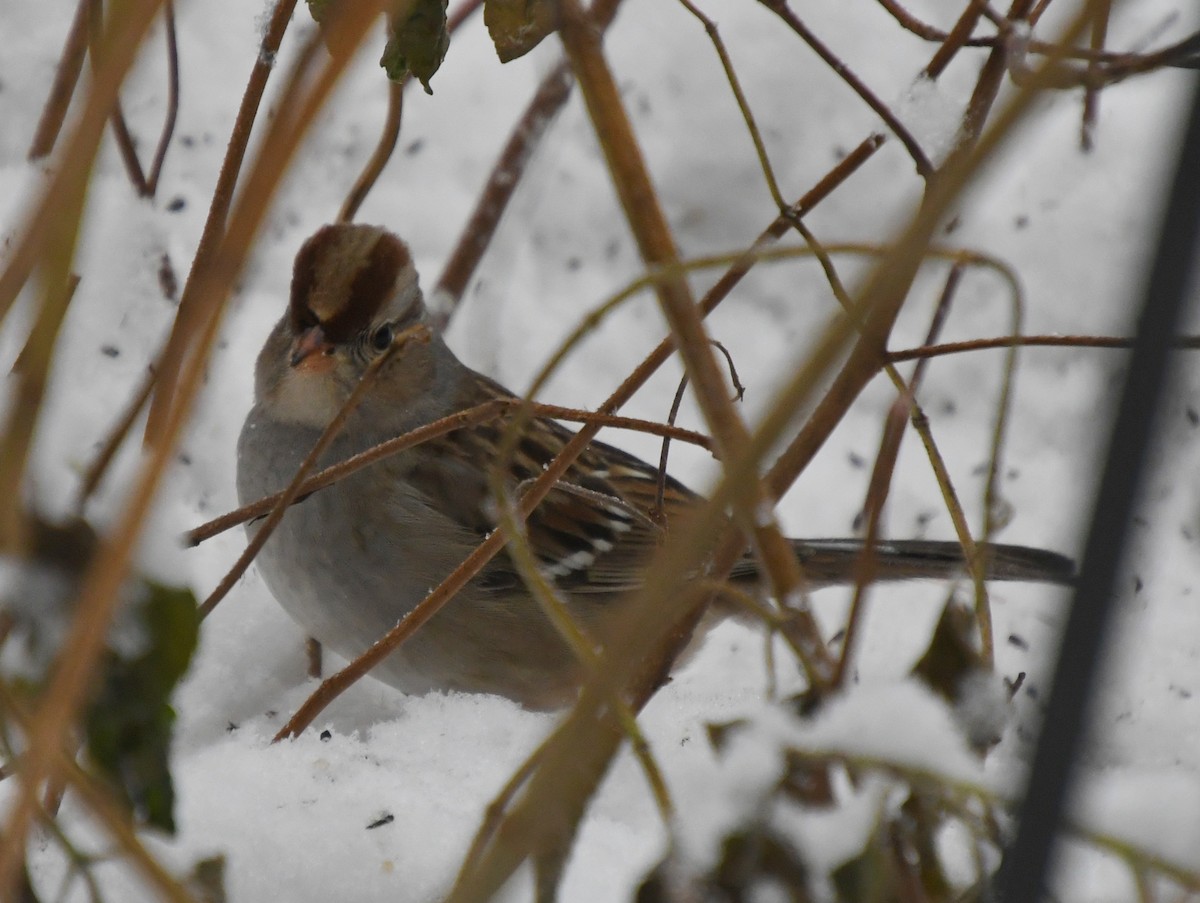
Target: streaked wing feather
column 593, row 532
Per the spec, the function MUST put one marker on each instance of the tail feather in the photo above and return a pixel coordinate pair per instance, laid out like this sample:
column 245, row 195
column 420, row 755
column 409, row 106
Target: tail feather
column 831, row 561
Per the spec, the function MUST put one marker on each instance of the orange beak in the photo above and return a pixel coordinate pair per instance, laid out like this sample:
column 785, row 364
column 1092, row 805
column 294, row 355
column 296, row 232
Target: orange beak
column 308, row 343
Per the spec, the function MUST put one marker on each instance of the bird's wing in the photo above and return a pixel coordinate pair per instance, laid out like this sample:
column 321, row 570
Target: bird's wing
column 593, row 532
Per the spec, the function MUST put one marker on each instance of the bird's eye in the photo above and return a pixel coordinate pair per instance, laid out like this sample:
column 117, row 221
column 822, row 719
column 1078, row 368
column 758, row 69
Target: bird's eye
column 381, row 339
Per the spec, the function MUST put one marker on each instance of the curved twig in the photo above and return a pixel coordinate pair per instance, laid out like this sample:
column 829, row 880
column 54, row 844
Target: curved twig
column 920, row 160
column 164, row 139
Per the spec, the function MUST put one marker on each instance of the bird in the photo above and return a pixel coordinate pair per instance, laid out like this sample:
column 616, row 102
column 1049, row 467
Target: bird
column 350, row 560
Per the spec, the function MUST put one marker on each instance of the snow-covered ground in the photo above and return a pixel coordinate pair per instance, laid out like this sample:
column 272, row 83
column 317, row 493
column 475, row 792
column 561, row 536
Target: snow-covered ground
column 294, row 820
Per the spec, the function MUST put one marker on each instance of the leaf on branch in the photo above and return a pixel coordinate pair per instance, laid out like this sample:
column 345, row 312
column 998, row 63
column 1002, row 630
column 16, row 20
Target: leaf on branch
column 129, row 723
column 952, row 653
column 418, row 44
column 517, row 26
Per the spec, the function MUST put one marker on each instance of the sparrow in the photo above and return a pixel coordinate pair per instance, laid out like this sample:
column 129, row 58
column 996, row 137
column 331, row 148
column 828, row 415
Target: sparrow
column 350, row 560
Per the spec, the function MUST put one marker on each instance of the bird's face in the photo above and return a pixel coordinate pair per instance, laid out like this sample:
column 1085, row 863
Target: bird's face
column 354, row 289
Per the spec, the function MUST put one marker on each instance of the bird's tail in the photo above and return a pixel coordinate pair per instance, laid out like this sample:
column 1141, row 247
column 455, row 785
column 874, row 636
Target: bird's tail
column 831, row 561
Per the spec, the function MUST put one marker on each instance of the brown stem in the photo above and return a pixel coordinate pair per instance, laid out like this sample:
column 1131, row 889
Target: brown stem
column 464, row 419
column 33, row 366
column 314, row 657
column 1038, row 10
column 112, row 442
column 760, row 147
column 660, row 490
column 505, row 176
column 653, row 236
column 383, row 152
column 168, row 130
column 66, row 77
column 121, row 134
column 911, row 23
column 919, row 420
column 501, row 185
column 391, row 126
column 1114, row 66
column 987, row 85
column 781, row 9
column 1187, row 343
column 902, row 409
column 956, row 39
column 186, row 320
column 1091, row 95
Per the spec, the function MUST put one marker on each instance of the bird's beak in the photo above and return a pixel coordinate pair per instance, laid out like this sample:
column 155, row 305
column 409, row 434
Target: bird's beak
column 312, row 347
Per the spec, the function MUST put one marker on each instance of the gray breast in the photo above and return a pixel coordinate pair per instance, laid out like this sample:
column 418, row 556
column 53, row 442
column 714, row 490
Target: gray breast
column 339, row 562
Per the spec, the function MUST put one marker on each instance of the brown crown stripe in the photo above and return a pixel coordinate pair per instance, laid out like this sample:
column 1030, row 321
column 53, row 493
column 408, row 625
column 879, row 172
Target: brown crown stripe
column 343, row 277
column 304, row 274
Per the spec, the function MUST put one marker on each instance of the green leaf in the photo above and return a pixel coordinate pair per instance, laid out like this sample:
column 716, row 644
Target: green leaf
column 129, row 723
column 418, row 44
column 517, row 26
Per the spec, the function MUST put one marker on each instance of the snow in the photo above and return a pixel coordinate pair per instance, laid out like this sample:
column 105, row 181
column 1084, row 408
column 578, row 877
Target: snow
column 294, row 819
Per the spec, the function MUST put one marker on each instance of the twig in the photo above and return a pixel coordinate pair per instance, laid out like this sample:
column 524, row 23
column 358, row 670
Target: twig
column 559, row 614
column 652, row 234
column 505, row 176
column 739, row 394
column 956, row 39
column 918, row 417
column 34, row 366
column 62, row 193
column 1091, row 95
column 760, row 147
column 903, row 409
column 381, row 155
column 1182, row 343
column 1038, row 10
column 920, row 160
column 1115, row 65
column 501, row 185
column 168, row 130
column 121, row 133
column 112, row 442
column 987, row 85
column 660, row 492
column 391, row 125
column 494, row 813
column 66, row 77
column 187, row 317
column 464, row 419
